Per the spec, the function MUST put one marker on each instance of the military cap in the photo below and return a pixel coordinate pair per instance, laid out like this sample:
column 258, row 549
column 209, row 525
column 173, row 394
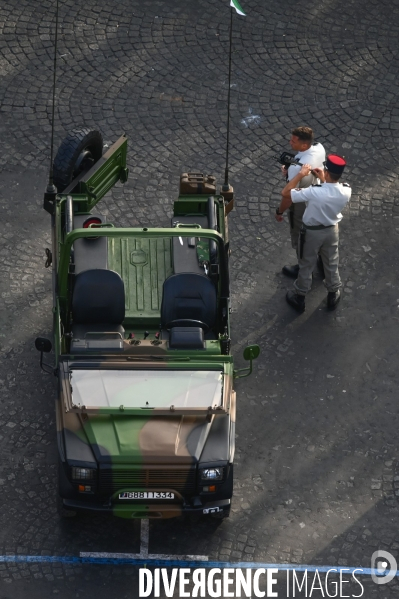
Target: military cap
column 335, row 164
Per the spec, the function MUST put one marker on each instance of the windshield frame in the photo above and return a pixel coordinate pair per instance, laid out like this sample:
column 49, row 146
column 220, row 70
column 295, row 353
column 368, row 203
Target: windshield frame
column 69, row 406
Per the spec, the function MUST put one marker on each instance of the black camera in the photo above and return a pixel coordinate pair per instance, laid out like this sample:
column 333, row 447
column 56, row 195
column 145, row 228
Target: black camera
column 287, row 159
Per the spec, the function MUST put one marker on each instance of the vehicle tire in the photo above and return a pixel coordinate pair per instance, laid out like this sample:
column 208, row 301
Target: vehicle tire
column 76, row 154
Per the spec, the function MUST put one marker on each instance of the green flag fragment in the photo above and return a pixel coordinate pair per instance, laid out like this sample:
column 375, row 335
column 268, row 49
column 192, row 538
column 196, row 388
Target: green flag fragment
column 235, row 4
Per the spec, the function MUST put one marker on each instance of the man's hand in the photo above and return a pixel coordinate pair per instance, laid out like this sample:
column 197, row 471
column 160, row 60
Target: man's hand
column 279, row 218
column 319, row 173
column 305, row 170
column 286, row 193
column 284, row 171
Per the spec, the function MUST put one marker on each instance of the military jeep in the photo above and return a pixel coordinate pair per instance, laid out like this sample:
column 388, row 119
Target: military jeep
column 145, row 406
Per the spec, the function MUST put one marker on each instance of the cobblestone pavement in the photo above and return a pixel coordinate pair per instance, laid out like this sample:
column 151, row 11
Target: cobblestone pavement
column 317, row 475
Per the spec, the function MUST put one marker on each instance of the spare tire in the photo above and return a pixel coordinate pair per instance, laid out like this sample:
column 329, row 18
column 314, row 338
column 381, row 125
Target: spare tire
column 76, row 154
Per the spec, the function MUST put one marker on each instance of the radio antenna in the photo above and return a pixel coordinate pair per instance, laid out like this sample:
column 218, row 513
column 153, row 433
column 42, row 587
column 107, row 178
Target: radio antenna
column 51, row 190
column 226, row 170
column 236, row 5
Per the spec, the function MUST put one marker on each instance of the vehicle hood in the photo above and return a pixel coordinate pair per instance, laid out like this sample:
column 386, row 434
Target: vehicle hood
column 146, row 440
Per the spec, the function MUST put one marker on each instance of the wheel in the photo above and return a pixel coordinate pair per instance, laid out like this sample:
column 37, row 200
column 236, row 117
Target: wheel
column 76, row 154
column 181, row 322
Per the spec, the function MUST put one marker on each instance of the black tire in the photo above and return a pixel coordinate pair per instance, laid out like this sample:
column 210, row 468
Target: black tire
column 76, row 154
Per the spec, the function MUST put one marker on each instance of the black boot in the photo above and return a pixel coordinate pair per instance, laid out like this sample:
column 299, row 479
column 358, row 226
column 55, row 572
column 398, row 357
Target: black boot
column 333, row 298
column 291, row 271
column 296, row 301
column 320, row 266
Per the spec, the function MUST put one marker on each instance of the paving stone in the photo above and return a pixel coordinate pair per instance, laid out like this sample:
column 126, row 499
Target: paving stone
column 158, row 72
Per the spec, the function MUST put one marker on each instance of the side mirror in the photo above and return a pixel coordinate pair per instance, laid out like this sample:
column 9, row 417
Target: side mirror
column 251, row 352
column 44, row 345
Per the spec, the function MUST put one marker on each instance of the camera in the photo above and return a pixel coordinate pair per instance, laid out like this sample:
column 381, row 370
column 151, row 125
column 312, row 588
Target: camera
column 286, row 158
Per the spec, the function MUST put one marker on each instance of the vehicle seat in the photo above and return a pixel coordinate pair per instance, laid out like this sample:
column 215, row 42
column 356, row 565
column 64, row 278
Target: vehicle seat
column 98, row 306
column 188, row 297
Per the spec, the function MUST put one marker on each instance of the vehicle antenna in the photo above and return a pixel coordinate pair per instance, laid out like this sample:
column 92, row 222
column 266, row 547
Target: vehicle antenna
column 233, row 4
column 51, row 190
column 226, row 170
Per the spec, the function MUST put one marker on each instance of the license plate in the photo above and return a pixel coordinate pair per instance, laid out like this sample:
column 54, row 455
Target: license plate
column 212, row 510
column 146, row 495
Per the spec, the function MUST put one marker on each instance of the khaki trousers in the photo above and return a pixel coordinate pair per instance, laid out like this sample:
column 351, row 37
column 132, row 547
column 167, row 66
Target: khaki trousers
column 325, row 243
column 295, row 220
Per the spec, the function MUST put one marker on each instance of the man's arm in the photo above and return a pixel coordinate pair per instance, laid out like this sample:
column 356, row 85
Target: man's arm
column 286, row 192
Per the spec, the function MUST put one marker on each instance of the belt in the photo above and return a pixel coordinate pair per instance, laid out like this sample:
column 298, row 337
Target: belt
column 317, row 227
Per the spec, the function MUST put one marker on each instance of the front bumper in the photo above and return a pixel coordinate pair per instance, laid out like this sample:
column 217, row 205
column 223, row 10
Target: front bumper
column 220, row 507
column 202, row 504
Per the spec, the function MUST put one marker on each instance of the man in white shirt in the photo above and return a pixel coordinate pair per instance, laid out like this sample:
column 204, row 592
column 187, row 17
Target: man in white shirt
column 319, row 233
column 307, row 152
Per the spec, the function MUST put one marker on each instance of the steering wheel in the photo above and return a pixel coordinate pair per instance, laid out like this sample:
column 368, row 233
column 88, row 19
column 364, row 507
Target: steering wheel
column 181, row 322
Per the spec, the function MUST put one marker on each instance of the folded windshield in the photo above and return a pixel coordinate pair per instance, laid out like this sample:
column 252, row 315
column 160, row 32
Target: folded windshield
column 146, row 388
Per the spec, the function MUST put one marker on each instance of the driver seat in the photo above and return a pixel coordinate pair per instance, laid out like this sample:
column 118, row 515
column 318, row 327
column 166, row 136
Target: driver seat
column 98, row 309
column 188, row 297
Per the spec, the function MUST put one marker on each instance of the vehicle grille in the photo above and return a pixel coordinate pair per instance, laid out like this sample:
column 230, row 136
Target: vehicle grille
column 180, row 479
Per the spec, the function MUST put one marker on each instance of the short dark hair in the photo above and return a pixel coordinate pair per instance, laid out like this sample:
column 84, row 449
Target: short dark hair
column 304, row 134
column 333, row 176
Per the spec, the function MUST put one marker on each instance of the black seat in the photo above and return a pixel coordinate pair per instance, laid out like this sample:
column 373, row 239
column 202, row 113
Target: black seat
column 188, row 300
column 98, row 306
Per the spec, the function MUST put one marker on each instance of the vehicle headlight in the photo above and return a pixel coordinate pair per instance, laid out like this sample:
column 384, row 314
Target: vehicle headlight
column 210, row 474
column 83, row 473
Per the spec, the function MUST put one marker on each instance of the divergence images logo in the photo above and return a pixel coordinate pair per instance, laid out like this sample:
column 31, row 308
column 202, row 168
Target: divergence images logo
column 383, row 567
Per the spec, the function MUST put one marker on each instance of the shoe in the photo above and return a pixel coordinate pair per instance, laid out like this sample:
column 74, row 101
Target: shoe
column 296, row 301
column 320, row 266
column 333, row 298
column 291, row 271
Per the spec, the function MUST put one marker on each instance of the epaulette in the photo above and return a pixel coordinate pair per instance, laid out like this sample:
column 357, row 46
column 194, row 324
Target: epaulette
column 346, row 184
column 316, row 143
column 316, row 184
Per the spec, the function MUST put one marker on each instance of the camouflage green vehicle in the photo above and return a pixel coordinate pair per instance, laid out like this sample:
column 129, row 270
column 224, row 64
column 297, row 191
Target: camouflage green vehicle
column 145, row 407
